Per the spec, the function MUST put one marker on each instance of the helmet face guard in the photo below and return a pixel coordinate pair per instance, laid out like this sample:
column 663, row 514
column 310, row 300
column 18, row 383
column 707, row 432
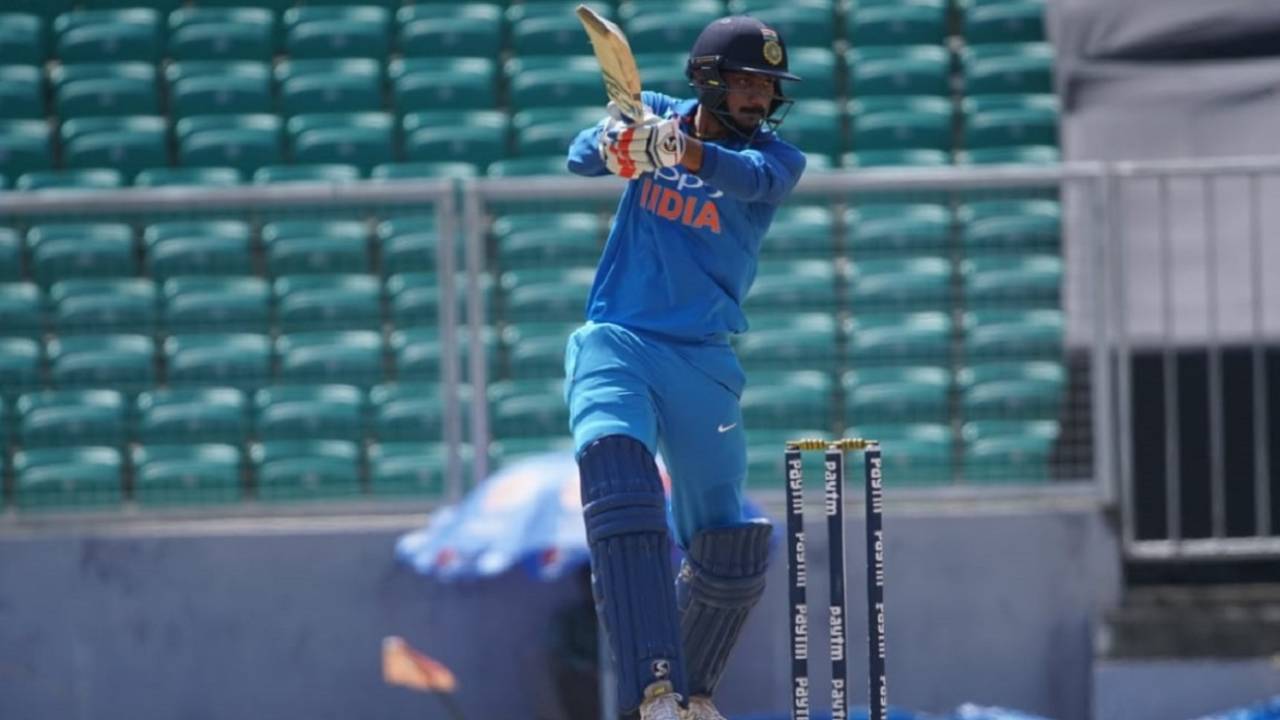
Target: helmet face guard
column 706, row 78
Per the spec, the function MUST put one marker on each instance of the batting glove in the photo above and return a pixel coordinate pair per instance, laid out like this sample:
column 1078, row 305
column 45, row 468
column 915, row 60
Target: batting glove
column 656, row 143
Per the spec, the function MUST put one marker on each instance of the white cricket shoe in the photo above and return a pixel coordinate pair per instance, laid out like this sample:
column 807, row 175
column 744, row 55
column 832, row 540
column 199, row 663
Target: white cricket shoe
column 701, row 708
column 661, row 707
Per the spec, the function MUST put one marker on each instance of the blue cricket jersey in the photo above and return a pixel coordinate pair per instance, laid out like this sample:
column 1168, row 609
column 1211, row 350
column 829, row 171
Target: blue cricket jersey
column 681, row 254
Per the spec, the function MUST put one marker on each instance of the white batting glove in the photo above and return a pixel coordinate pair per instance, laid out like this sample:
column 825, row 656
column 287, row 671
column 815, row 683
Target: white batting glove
column 656, row 143
column 615, row 149
column 616, row 113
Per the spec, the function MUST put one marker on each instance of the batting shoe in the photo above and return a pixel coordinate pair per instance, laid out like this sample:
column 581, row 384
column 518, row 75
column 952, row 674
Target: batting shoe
column 662, row 707
column 701, row 708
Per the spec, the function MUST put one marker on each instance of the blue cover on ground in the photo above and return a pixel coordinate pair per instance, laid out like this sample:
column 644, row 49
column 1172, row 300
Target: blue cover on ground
column 1268, row 710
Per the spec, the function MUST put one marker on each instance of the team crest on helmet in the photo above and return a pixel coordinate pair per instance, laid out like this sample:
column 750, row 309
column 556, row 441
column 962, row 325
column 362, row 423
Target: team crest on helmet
column 773, row 52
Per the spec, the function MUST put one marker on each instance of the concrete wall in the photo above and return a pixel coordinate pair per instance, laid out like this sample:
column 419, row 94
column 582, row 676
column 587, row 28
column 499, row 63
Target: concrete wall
column 282, row 619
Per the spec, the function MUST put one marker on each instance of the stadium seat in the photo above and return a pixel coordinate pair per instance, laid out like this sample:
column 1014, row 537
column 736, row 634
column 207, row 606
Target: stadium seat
column 1005, row 127
column 329, row 302
column 67, row 476
column 327, row 173
column 1016, row 155
column 1028, row 280
column 71, row 417
column 295, row 247
column 20, row 362
column 1009, row 450
column 544, row 131
column 921, row 453
column 391, row 172
column 277, row 7
column 1008, row 68
column 473, row 29
column 476, row 137
column 1011, row 390
column 537, row 165
column 299, row 412
column 663, row 32
column 417, row 352
column 339, row 31
column 324, row 85
column 104, row 305
column 186, row 474
column 548, row 294
column 67, row 250
column 536, row 349
column 111, row 35
column 900, row 70
column 991, row 334
column 435, row 84
column 198, row 247
column 795, row 285
column 95, row 179
column 22, row 38
column 816, row 65
column 708, row 10
column 244, row 143
column 818, row 129
column 1010, row 225
column 562, row 81
column 664, row 72
column 921, row 282
column 304, row 469
column 362, row 139
column 533, row 408
column 407, row 468
column 801, row 25
column 782, row 400
column 409, row 243
column 790, row 341
column 553, row 8
column 21, row 92
column 196, row 304
column 923, row 337
column 219, row 87
column 897, row 394
column 193, row 415
column 917, row 22
column 764, row 453
column 120, row 360
column 913, row 157
column 46, row 10
column 205, row 33
column 556, row 34
column 220, row 359
column 800, row 231
column 10, row 261
column 1004, row 22
column 20, row 309
column 406, row 411
column 883, row 228
column 98, row 89
column 350, row 356
column 528, row 240
column 24, row 146
column 922, row 122
column 415, row 298
column 128, row 144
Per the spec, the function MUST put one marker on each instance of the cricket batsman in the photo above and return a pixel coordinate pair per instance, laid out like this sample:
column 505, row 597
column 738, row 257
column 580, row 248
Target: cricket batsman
column 652, row 367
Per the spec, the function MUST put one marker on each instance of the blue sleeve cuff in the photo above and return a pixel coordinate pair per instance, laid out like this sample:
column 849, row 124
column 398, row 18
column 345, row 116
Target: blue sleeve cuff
column 710, row 161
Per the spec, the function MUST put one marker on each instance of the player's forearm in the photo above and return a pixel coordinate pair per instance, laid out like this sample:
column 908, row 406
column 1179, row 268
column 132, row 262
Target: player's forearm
column 692, row 155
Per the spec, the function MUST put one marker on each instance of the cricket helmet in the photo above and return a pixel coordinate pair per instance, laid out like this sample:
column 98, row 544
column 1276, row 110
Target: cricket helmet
column 743, row 44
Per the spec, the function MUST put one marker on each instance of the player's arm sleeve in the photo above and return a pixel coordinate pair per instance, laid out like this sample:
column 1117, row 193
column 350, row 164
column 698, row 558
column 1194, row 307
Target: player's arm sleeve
column 755, row 175
column 584, row 157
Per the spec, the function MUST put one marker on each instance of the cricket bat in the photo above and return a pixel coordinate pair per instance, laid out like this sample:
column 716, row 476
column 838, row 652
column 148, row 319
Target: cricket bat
column 613, row 52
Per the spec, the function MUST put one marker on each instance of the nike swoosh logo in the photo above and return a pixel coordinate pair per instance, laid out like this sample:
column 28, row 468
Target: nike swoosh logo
column 726, row 428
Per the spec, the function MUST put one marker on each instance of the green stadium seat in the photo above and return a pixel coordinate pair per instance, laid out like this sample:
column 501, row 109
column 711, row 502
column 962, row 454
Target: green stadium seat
column 561, row 81
column 21, row 92
column 1015, row 155
column 22, row 38
column 277, row 7
column 219, row 87
column 917, row 22
column 1005, row 22
column 533, row 408
column 20, row 309
column 109, row 35
column 473, row 29
column 708, row 10
column 553, row 8
column 795, row 285
column 536, row 349
column 204, row 33
column 348, row 356
column 1011, row 126
column 912, row 157
column 661, row 33
column 527, row 240
column 782, row 400
column 306, row 469
column 916, row 454
column 10, row 259
column 801, row 25
column 106, row 89
column 362, row 139
column 193, row 415
column 537, row 165
column 71, row 417
column 221, row 359
column 163, row 6
column 407, row 411
column 44, row 9
column 244, row 143
column 186, row 474
column 1008, row 68
column 95, row 179
column 340, row 31
column 196, row 304
column 299, row 412
column 436, row 84
column 920, row 282
column 415, row 297
column 548, row 294
column 896, row 338
column 408, row 243
column 790, row 341
column 68, row 250
column 817, row 129
column 104, row 305
column 897, row 394
column 1011, row 390
column 764, row 453
column 1009, row 450
column 548, row 130
column 1038, row 102
column 407, row 468
column 324, row 85
column 198, row 247
column 884, row 228
column 314, row 302
column 68, row 476
column 326, row 173
column 24, row 146
column 134, row 144
column 1010, row 225
column 20, row 362
column 287, row 242
column 558, row 34
column 417, row 352
column 924, row 123
column 800, row 231
column 900, row 70
column 816, row 65
column 121, row 360
column 991, row 334
column 508, row 450
column 1028, row 280
column 390, row 172
column 476, row 137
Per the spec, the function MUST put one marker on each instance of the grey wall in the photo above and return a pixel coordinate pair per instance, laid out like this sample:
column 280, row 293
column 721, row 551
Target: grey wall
column 1161, row 690
column 254, row 620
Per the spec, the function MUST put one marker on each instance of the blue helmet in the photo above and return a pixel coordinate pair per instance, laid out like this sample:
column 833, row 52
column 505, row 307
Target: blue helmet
column 738, row 43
